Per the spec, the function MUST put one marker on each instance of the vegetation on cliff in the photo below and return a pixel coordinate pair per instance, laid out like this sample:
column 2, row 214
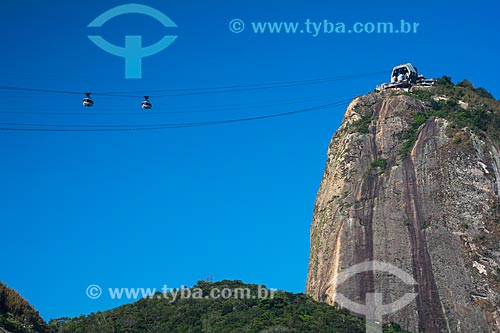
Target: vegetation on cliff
column 17, row 315
column 463, row 105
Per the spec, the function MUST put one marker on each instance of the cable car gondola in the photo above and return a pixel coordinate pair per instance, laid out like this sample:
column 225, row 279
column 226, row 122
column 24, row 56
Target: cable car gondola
column 146, row 104
column 87, row 101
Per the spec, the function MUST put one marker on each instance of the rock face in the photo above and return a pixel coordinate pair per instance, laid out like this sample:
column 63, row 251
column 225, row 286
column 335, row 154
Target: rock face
column 421, row 196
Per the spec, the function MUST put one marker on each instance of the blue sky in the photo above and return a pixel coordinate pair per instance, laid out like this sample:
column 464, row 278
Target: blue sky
column 173, row 206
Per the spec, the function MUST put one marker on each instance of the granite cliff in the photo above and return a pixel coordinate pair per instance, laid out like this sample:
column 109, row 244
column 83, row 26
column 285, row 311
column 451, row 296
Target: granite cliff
column 412, row 178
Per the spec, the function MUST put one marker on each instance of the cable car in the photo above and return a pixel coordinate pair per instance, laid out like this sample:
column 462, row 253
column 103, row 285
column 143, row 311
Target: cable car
column 406, row 73
column 146, row 104
column 87, row 101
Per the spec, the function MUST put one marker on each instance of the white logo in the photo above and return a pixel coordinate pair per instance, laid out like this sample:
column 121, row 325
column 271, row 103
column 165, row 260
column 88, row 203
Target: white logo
column 373, row 310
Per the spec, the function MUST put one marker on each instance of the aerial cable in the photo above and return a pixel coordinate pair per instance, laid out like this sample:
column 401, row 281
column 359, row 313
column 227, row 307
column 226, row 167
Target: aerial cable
column 245, row 87
column 198, row 91
column 185, row 109
column 111, row 128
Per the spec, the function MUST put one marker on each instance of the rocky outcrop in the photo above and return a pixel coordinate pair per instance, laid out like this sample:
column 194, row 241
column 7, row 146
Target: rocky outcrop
column 415, row 191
